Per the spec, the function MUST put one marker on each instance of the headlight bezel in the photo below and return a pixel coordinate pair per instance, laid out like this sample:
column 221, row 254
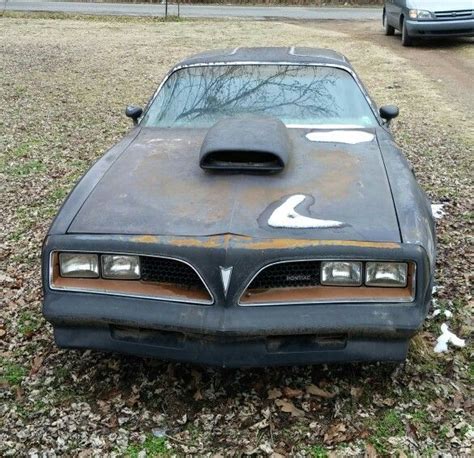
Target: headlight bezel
column 374, row 283
column 357, row 269
column 420, row 14
column 107, row 275
column 94, row 262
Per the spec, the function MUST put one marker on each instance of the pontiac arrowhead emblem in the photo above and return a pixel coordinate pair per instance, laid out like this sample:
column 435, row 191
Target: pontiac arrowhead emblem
column 226, row 273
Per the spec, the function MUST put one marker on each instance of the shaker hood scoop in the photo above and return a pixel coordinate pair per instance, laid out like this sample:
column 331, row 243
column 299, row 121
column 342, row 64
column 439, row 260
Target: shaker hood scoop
column 247, row 144
column 158, row 187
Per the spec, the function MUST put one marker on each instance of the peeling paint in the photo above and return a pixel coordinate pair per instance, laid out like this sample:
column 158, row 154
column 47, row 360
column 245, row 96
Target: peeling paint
column 286, row 216
column 146, row 239
column 276, row 244
column 208, row 242
column 351, row 137
column 239, row 241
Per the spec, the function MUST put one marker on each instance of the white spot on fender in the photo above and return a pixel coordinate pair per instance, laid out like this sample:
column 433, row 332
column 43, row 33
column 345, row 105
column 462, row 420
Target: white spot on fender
column 286, row 216
column 341, row 136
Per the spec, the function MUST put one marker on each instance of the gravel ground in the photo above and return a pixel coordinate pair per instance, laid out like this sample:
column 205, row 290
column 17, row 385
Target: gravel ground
column 64, row 84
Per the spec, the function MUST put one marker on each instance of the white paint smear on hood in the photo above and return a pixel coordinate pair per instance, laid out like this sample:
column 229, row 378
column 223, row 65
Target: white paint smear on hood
column 286, row 216
column 447, row 337
column 341, row 136
column 437, row 210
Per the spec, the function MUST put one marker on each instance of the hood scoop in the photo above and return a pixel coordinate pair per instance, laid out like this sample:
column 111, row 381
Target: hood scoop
column 246, row 144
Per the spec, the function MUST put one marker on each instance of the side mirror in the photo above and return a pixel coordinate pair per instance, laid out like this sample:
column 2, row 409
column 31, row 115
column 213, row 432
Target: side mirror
column 389, row 112
column 133, row 112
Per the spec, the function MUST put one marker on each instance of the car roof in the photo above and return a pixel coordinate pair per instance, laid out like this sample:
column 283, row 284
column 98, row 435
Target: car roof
column 268, row 55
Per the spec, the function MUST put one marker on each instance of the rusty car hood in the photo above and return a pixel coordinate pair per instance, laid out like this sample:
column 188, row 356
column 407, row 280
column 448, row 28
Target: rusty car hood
column 156, row 187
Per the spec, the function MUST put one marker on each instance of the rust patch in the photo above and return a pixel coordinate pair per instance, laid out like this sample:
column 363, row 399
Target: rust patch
column 210, row 242
column 146, row 239
column 223, row 241
column 324, row 293
column 207, row 242
column 275, row 244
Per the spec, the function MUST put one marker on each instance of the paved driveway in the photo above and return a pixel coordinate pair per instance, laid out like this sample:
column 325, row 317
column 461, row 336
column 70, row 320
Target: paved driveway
column 196, row 11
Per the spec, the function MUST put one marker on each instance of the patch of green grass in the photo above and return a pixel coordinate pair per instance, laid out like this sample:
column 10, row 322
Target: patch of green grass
column 420, row 419
column 389, row 425
column 318, row 451
column 28, row 323
column 11, row 372
column 56, row 195
column 153, row 446
column 23, row 169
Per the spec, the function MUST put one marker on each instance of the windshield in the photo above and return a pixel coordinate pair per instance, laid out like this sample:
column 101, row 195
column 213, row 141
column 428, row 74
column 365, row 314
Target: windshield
column 297, row 95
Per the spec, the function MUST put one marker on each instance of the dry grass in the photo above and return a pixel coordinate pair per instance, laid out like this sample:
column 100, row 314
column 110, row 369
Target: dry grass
column 64, row 87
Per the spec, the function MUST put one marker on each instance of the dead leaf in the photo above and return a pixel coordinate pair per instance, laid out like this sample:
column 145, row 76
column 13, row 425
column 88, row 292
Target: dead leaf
column 260, row 425
column 37, row 363
column 335, row 434
column 198, row 395
column 316, row 391
column 104, row 406
column 370, row 451
column 356, row 392
column 292, row 392
column 289, row 407
column 19, row 394
column 274, row 393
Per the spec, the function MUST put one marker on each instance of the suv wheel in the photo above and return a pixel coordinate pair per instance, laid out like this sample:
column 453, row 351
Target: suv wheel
column 389, row 30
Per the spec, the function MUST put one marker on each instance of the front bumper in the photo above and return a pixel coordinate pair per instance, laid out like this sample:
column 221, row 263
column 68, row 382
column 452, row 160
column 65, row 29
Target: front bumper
column 229, row 335
column 441, row 28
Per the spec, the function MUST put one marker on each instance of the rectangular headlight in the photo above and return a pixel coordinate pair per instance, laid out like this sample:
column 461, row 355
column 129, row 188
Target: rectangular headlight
column 120, row 267
column 341, row 273
column 79, row 265
column 387, row 274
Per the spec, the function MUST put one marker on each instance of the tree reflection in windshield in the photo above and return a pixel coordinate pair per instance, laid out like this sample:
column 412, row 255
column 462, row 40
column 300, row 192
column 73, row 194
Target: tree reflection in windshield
column 307, row 95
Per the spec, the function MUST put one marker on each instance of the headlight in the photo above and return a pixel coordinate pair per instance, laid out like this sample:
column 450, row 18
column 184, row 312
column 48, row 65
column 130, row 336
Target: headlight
column 79, row 265
column 121, row 267
column 388, row 274
column 341, row 273
column 420, row 14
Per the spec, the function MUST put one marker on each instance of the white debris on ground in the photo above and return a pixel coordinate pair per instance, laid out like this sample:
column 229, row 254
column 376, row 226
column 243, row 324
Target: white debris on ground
column 286, row 216
column 437, row 210
column 341, row 136
column 447, row 313
column 447, row 337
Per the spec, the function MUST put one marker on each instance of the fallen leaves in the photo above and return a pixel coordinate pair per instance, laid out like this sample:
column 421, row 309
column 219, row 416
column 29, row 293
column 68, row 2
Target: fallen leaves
column 36, row 365
column 316, row 391
column 289, row 407
column 274, row 393
column 335, row 434
column 76, row 402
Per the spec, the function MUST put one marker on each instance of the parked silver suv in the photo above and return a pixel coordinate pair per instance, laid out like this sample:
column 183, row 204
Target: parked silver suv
column 428, row 18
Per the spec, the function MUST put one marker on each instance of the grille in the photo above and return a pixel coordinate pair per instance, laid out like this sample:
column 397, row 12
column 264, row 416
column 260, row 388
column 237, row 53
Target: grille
column 162, row 270
column 453, row 15
column 288, row 274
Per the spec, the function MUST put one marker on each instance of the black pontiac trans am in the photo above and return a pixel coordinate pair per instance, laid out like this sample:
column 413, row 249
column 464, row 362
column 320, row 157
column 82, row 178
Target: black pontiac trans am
column 258, row 213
